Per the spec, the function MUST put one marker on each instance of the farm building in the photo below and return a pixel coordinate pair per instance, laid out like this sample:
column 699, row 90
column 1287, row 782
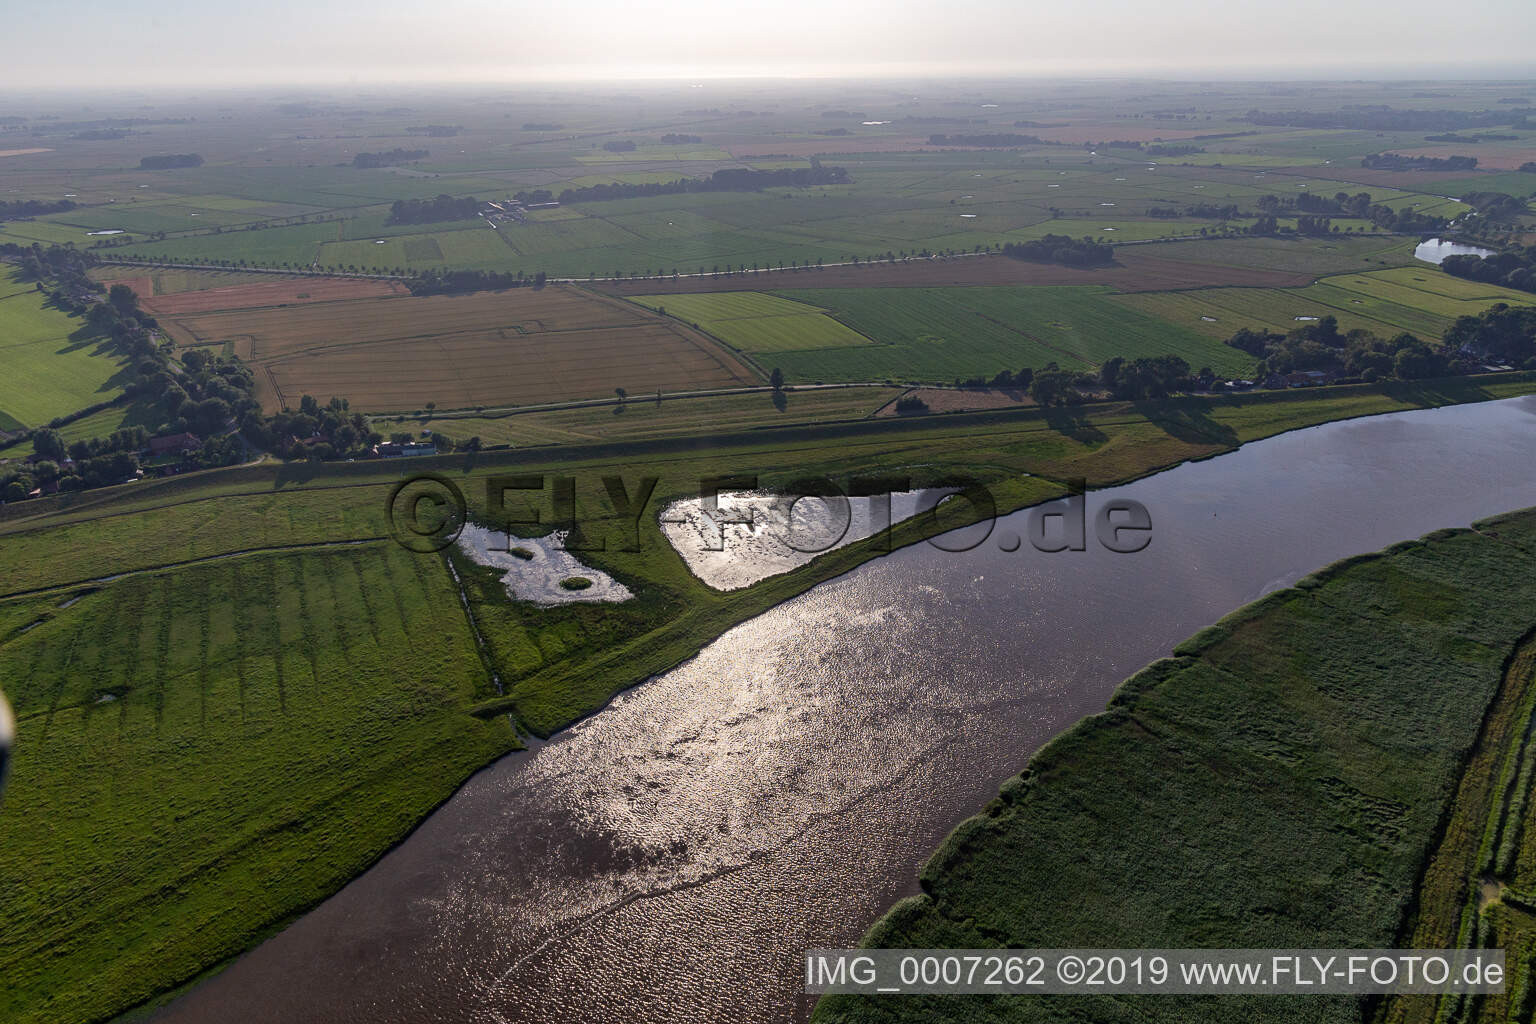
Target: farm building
column 174, row 444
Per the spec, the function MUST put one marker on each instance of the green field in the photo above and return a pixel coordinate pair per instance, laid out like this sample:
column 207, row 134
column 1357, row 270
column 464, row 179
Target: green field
column 937, row 334
column 1278, row 782
column 54, row 364
column 757, row 323
column 643, row 417
column 226, row 743
column 1420, row 300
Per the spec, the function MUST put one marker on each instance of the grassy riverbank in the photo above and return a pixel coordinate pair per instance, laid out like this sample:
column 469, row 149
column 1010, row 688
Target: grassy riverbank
column 269, row 693
column 1282, row 781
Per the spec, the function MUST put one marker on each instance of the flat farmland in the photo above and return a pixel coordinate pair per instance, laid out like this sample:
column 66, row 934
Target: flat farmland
column 1219, row 312
column 937, row 334
column 1430, row 289
column 276, row 291
column 204, row 725
column 1136, row 269
column 758, row 323
column 53, row 364
column 644, row 417
column 1421, row 300
column 516, row 347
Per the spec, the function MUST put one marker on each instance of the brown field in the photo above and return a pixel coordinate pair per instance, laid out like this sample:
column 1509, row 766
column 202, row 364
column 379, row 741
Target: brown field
column 1135, row 271
column 279, row 291
column 517, row 347
column 1490, row 156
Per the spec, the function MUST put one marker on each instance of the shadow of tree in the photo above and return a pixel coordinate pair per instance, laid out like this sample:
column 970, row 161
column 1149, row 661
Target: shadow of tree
column 1188, row 420
column 1069, row 422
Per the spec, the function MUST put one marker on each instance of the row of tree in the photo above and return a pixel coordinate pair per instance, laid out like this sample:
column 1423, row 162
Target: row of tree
column 389, row 158
column 461, row 282
column 34, row 207
column 1501, row 334
column 1072, row 252
column 730, row 179
column 1401, row 162
column 1513, row 268
column 430, row 211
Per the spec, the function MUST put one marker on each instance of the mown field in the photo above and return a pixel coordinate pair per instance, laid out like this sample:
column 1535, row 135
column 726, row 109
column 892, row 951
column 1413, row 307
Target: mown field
column 54, row 364
column 1279, row 782
column 307, row 705
column 757, row 323
column 519, row 346
column 937, row 334
column 1421, row 300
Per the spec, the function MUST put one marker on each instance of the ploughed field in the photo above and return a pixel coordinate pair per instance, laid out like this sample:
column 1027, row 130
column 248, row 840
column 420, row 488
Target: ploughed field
column 398, row 352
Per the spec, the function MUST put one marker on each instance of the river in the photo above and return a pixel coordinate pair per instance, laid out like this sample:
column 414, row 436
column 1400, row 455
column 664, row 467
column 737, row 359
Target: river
column 672, row 857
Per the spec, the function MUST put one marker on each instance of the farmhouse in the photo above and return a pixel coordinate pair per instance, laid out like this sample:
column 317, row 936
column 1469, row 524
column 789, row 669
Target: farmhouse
column 174, row 444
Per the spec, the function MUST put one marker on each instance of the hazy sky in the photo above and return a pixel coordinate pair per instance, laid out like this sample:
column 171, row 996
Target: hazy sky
column 145, row 42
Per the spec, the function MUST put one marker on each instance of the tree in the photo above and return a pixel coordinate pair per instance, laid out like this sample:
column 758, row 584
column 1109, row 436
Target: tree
column 1053, row 387
column 776, row 379
column 49, row 444
column 621, row 393
column 123, row 299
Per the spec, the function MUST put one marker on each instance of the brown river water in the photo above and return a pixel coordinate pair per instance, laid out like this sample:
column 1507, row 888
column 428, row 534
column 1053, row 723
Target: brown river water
column 672, row 857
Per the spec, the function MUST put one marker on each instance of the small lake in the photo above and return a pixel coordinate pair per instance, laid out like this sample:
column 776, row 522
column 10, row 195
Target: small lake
column 1435, row 250
column 671, row 858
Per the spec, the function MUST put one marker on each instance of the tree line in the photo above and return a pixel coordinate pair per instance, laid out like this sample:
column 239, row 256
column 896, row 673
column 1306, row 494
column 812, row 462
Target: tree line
column 1071, row 252
column 389, row 158
column 1400, row 162
column 730, row 179
column 428, row 211
column 34, row 207
column 460, row 282
column 1501, row 334
column 1513, row 268
column 167, row 161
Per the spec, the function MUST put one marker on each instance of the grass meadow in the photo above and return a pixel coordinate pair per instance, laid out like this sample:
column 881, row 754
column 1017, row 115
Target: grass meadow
column 937, row 334
column 758, row 323
column 227, row 743
column 54, row 365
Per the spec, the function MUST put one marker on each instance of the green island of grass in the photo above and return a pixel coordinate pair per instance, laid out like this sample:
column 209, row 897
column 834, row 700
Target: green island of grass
column 1341, row 764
